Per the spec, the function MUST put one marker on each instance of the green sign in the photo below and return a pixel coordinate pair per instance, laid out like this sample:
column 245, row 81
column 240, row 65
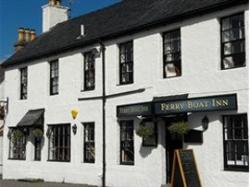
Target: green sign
column 201, row 104
column 142, row 109
column 204, row 104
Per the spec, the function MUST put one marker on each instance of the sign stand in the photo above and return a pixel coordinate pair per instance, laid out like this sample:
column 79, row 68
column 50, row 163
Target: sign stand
column 185, row 173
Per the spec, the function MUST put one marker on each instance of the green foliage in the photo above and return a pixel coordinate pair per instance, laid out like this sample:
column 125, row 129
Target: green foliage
column 37, row 133
column 180, row 128
column 17, row 135
column 144, row 132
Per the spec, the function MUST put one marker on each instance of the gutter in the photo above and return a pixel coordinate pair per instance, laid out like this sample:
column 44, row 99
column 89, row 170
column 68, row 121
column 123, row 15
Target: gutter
column 190, row 14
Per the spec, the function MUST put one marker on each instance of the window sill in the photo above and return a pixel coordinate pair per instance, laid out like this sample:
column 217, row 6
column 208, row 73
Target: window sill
column 236, row 170
column 58, row 161
column 86, row 90
column 237, row 67
column 127, row 164
column 173, row 77
column 17, row 159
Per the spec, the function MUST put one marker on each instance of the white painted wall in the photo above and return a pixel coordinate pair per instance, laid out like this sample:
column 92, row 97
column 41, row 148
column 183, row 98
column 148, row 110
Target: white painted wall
column 201, row 77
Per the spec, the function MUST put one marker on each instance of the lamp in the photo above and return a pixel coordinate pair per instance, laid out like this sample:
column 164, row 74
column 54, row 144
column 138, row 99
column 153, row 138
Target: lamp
column 74, row 113
column 204, row 123
column 74, row 129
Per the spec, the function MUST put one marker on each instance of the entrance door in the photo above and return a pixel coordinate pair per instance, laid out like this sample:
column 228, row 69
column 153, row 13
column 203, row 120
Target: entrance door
column 173, row 141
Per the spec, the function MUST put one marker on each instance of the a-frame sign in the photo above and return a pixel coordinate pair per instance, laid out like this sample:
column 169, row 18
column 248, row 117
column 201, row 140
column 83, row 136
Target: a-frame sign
column 185, row 173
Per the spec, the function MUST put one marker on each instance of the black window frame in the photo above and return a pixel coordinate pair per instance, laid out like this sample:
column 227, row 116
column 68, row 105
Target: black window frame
column 64, row 148
column 244, row 130
column 177, row 53
column 243, row 40
column 54, row 77
column 19, row 146
column 128, row 63
column 37, row 149
column 88, row 142
column 89, row 61
column 129, row 126
column 24, row 83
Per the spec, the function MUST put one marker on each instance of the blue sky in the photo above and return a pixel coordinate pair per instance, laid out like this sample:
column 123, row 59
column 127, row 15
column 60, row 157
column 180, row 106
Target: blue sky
column 28, row 13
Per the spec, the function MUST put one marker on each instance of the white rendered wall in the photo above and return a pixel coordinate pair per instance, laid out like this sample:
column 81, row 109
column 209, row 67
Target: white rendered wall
column 53, row 15
column 201, row 76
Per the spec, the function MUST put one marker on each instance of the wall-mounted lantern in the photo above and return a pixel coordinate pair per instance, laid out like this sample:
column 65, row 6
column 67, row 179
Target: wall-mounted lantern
column 74, row 113
column 205, row 122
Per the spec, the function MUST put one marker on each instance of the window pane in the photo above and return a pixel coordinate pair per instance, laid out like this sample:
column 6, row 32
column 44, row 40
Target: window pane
column 127, row 142
column 236, row 146
column 89, row 143
column 59, row 143
column 233, row 42
column 126, row 63
column 89, row 71
column 54, row 77
column 172, row 54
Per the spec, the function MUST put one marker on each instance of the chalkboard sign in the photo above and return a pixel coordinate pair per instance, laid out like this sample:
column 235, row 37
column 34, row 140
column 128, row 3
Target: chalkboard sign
column 185, row 173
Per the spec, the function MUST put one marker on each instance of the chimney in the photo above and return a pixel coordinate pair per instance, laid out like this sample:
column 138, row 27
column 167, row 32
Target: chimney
column 24, row 37
column 54, row 13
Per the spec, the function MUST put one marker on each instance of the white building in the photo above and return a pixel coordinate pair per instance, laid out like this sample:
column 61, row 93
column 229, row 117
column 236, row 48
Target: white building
column 136, row 62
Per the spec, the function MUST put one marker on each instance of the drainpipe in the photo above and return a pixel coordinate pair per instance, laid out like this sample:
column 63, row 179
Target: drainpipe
column 103, row 116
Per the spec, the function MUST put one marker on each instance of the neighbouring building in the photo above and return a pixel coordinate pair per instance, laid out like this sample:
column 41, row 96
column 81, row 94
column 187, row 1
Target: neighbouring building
column 137, row 67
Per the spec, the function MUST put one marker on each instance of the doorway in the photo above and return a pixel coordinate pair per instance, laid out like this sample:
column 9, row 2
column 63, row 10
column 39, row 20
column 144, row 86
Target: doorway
column 173, row 141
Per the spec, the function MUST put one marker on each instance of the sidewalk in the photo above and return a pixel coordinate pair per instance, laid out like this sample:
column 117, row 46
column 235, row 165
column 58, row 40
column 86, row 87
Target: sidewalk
column 12, row 183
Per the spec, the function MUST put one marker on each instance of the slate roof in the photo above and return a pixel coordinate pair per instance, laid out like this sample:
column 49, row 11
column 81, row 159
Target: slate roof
column 122, row 18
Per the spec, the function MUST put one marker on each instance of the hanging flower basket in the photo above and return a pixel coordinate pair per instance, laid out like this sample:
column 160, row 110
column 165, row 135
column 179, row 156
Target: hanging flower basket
column 37, row 133
column 17, row 135
column 2, row 112
column 179, row 128
column 144, row 132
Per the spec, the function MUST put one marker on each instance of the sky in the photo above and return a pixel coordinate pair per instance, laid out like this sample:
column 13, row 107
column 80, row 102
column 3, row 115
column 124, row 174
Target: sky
column 28, row 14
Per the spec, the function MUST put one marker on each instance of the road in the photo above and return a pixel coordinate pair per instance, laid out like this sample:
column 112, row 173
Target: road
column 11, row 183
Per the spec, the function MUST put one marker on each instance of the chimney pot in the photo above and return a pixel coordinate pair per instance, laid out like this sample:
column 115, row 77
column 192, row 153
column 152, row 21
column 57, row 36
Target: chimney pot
column 27, row 35
column 24, row 36
column 32, row 34
column 20, row 34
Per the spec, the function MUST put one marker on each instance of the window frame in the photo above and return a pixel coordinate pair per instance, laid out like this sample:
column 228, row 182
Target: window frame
column 85, row 143
column 59, row 147
column 52, row 79
column 23, row 75
column 234, row 167
column 131, row 123
column 163, row 54
column 126, row 62
column 85, row 72
column 11, row 147
column 222, row 43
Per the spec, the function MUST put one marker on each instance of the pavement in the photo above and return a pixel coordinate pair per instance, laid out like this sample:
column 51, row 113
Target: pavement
column 12, row 183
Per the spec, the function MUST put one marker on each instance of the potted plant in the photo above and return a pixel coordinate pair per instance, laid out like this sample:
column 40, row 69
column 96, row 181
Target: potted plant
column 179, row 128
column 37, row 133
column 144, row 132
column 17, row 135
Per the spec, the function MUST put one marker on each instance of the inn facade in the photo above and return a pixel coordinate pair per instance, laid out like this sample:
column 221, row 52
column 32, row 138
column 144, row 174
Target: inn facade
column 134, row 64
